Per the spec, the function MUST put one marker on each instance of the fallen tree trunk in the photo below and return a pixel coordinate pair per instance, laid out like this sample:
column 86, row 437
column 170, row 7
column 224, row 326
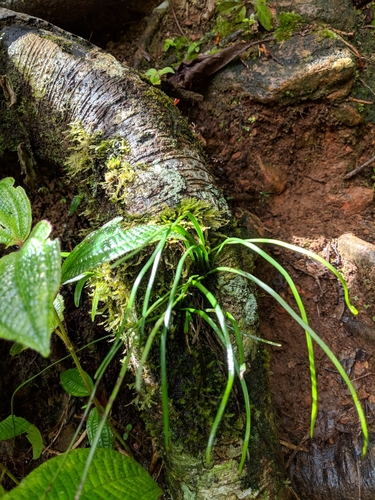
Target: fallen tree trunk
column 126, row 145
column 68, row 12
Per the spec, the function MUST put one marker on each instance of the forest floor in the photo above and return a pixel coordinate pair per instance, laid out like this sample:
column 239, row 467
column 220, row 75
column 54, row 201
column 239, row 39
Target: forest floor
column 256, row 151
column 286, row 165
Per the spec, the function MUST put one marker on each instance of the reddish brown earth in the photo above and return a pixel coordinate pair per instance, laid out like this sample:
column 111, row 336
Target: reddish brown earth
column 302, row 154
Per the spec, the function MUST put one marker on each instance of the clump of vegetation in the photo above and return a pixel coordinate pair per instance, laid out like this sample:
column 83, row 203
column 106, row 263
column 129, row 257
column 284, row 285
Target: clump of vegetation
column 31, row 310
column 289, row 22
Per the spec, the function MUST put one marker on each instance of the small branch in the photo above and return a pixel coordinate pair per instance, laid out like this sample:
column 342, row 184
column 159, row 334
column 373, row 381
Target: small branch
column 298, row 448
column 361, row 101
column 175, row 18
column 352, row 48
column 358, row 169
column 365, row 84
column 5, row 470
column 343, row 33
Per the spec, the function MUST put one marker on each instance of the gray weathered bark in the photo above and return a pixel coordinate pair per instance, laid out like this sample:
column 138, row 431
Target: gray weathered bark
column 52, row 80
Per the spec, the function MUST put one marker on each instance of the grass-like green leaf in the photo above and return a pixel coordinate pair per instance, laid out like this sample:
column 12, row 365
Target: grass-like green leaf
column 313, row 256
column 106, row 436
column 314, row 390
column 73, row 384
column 106, row 244
column 112, row 476
column 230, row 362
column 15, row 213
column 318, row 340
column 14, row 426
column 29, row 282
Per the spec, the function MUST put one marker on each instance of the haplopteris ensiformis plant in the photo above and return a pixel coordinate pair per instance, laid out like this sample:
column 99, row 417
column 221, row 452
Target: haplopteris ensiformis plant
column 159, row 314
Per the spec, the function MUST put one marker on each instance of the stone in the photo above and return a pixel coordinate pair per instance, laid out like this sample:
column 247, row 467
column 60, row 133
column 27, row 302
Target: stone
column 309, row 67
column 274, row 180
column 339, row 14
column 347, row 115
column 356, row 199
column 359, row 251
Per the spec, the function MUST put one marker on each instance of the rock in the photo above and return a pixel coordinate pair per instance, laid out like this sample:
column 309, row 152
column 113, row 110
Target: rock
column 359, row 251
column 339, row 14
column 356, row 199
column 347, row 115
column 307, row 67
column 359, row 329
column 274, row 180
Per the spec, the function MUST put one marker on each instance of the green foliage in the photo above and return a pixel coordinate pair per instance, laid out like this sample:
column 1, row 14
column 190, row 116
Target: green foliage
column 14, row 426
column 72, row 383
column 31, row 278
column 288, row 23
column 112, row 476
column 107, row 243
column 105, row 436
column 264, row 14
column 233, row 14
column 15, row 213
column 185, row 48
column 178, row 42
column 195, row 265
column 155, row 75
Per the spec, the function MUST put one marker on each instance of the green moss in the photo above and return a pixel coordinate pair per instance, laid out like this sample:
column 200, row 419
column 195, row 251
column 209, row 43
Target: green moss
column 93, row 158
column 208, row 217
column 288, row 23
column 62, row 42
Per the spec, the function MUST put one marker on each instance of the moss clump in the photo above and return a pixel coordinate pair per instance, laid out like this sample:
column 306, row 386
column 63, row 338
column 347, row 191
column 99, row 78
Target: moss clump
column 207, row 216
column 288, row 23
column 94, row 158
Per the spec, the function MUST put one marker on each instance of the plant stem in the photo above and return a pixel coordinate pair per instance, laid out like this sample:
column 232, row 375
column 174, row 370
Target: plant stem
column 5, row 470
column 62, row 333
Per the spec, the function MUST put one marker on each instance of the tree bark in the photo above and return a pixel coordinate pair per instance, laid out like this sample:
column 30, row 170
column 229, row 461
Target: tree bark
column 125, row 142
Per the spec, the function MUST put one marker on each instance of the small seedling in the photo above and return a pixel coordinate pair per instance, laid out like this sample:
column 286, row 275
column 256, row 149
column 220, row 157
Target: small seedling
column 264, row 195
column 155, row 75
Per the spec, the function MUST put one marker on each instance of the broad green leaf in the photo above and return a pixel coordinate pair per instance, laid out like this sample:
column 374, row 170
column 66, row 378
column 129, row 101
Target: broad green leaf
column 106, row 436
column 59, row 307
column 16, row 348
column 107, row 243
column 29, row 282
column 227, row 6
column 73, row 384
column 15, row 213
column 14, row 426
column 264, row 14
column 112, row 476
column 35, row 438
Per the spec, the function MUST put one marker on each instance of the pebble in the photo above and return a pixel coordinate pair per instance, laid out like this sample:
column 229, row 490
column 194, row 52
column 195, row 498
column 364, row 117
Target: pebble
column 357, row 250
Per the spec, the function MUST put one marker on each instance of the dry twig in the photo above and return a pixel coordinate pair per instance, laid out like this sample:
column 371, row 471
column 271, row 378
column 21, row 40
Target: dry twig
column 358, row 169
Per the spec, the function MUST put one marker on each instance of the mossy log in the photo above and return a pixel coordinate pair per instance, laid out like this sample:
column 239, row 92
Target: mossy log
column 126, row 144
